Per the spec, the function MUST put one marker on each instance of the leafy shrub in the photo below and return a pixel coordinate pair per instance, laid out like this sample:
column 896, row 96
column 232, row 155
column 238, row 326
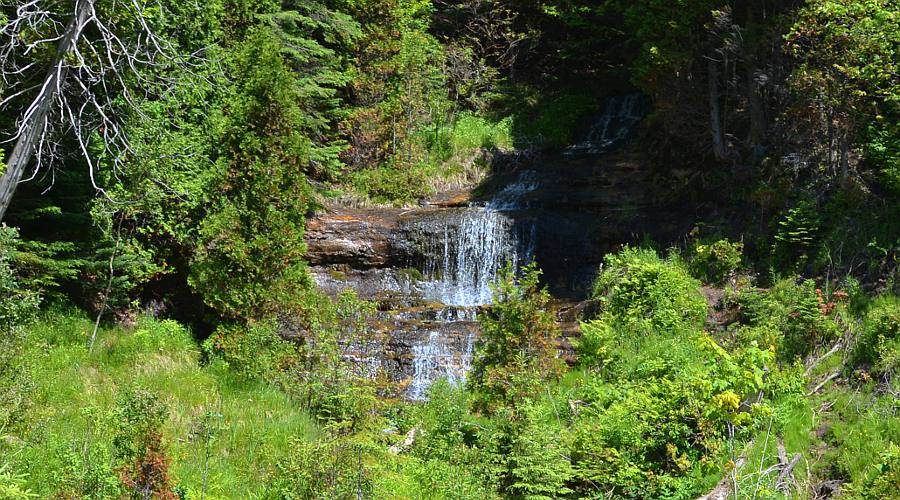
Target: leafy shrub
column 796, row 236
column 636, row 285
column 253, row 350
column 330, row 468
column 715, row 262
column 879, row 344
column 517, row 347
column 84, row 467
column 659, row 394
column 883, row 481
column 795, row 310
column 144, row 465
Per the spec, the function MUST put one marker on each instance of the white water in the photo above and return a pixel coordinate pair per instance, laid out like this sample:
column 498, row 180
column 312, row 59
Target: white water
column 619, row 117
column 464, row 249
column 463, row 252
column 435, row 359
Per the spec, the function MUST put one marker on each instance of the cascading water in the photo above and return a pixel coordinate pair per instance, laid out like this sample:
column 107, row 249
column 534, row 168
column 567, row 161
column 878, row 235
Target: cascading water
column 437, row 358
column 461, row 251
column 620, row 115
column 431, row 270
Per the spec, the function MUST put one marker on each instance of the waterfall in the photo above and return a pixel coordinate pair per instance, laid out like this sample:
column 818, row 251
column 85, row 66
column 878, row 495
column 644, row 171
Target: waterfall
column 461, row 252
column 620, row 115
column 437, row 358
column 439, row 262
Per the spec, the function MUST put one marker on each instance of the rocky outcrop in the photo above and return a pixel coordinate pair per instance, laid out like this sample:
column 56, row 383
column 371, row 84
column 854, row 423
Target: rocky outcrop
column 428, row 267
column 358, row 239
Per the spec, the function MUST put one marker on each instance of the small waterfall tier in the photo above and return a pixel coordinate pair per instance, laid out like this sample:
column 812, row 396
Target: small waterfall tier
column 620, row 115
column 460, row 251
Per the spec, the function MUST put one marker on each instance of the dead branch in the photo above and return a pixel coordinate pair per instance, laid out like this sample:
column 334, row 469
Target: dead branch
column 822, row 383
column 102, row 69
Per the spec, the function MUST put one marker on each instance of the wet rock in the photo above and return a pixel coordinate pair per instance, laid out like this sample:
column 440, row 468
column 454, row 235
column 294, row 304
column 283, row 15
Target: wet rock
column 360, row 239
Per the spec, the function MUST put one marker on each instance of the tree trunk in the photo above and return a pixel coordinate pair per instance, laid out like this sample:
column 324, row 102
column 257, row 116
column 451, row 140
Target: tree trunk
column 715, row 112
column 38, row 113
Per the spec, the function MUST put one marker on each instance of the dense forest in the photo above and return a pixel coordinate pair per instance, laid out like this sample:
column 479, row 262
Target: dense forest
column 449, row 249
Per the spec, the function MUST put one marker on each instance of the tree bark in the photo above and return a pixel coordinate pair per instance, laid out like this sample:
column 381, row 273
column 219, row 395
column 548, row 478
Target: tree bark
column 715, row 112
column 37, row 115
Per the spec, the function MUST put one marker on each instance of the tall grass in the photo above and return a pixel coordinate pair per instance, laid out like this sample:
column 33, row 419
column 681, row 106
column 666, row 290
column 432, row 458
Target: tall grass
column 220, row 431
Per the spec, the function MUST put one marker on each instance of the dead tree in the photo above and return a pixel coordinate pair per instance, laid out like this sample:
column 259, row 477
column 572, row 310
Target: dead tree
column 104, row 51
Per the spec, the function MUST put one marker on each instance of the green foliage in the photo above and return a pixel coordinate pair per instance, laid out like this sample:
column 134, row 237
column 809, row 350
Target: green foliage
column 392, row 184
column 715, row 262
column 253, row 351
column 137, row 441
column 882, row 148
column 92, row 406
column 550, row 122
column 530, row 452
column 517, row 347
column 879, row 342
column 637, row 286
column 669, row 33
column 882, row 483
column 12, row 486
column 330, row 468
column 17, row 306
column 657, row 398
column 248, row 259
column 793, row 309
column 863, row 435
column 796, row 236
column 848, row 62
column 313, row 368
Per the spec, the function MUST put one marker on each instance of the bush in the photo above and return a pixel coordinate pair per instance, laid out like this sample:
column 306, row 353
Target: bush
column 883, row 481
column 253, row 350
column 137, row 440
column 797, row 310
column 636, row 285
column 517, row 348
column 17, row 306
column 715, row 262
column 879, row 344
column 331, row 468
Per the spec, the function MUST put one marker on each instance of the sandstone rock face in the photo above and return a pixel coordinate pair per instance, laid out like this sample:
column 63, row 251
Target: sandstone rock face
column 359, row 239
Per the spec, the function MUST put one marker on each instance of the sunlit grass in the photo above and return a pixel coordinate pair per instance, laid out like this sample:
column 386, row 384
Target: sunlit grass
column 76, row 392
